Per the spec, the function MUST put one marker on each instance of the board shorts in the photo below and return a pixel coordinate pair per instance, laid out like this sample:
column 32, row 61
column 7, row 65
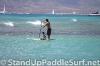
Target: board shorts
column 49, row 31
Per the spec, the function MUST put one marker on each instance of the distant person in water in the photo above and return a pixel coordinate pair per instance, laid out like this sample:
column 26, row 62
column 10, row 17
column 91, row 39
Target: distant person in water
column 44, row 37
column 47, row 23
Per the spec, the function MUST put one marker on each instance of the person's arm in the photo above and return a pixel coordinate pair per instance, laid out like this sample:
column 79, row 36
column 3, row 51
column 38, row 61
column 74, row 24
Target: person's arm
column 44, row 25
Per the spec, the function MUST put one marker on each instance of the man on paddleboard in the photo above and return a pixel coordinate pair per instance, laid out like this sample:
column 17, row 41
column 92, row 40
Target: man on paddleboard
column 47, row 23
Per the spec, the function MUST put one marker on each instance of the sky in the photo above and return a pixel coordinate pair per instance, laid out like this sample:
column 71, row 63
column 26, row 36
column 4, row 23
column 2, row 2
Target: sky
column 47, row 6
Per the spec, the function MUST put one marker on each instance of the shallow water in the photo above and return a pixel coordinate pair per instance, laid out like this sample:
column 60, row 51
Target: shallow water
column 73, row 37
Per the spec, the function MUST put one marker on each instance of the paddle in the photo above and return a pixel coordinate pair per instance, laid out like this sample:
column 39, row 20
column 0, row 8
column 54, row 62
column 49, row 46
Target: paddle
column 40, row 30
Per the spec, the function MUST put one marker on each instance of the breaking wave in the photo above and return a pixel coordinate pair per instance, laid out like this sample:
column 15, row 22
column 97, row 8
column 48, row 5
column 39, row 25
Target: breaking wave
column 9, row 24
column 36, row 23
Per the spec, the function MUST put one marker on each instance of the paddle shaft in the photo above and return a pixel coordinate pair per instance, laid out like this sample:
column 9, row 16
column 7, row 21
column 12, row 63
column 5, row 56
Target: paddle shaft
column 40, row 30
column 39, row 33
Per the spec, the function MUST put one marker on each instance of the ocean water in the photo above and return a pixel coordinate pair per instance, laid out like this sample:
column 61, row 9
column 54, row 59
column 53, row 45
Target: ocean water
column 74, row 38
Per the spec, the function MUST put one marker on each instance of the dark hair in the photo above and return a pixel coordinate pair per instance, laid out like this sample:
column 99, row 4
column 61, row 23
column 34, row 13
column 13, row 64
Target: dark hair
column 43, row 32
column 47, row 20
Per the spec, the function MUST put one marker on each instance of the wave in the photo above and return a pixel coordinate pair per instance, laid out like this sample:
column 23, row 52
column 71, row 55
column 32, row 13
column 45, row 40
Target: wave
column 9, row 24
column 21, row 24
column 74, row 20
column 36, row 22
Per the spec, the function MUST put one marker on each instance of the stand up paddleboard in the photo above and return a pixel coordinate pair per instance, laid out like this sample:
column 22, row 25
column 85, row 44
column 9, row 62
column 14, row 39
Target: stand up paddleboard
column 37, row 39
column 33, row 38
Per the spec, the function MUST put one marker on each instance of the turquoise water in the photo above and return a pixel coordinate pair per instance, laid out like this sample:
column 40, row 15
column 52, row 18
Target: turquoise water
column 74, row 37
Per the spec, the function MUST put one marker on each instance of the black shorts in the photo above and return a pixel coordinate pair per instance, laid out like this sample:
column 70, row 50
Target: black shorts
column 49, row 31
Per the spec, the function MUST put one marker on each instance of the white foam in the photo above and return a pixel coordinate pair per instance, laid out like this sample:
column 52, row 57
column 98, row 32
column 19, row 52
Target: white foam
column 36, row 23
column 75, row 20
column 9, row 24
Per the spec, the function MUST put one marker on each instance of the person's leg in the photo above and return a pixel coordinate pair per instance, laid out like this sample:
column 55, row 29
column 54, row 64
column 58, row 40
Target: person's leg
column 41, row 38
column 48, row 37
column 49, row 33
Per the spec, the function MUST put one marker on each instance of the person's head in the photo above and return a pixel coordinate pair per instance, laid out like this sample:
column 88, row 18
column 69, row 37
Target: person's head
column 43, row 32
column 47, row 20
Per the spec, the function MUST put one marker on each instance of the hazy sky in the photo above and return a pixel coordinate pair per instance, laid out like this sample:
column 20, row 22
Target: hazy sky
column 46, row 6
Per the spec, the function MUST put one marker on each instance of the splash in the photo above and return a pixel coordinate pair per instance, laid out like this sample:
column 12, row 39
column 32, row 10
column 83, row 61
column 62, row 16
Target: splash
column 36, row 23
column 9, row 24
column 75, row 20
